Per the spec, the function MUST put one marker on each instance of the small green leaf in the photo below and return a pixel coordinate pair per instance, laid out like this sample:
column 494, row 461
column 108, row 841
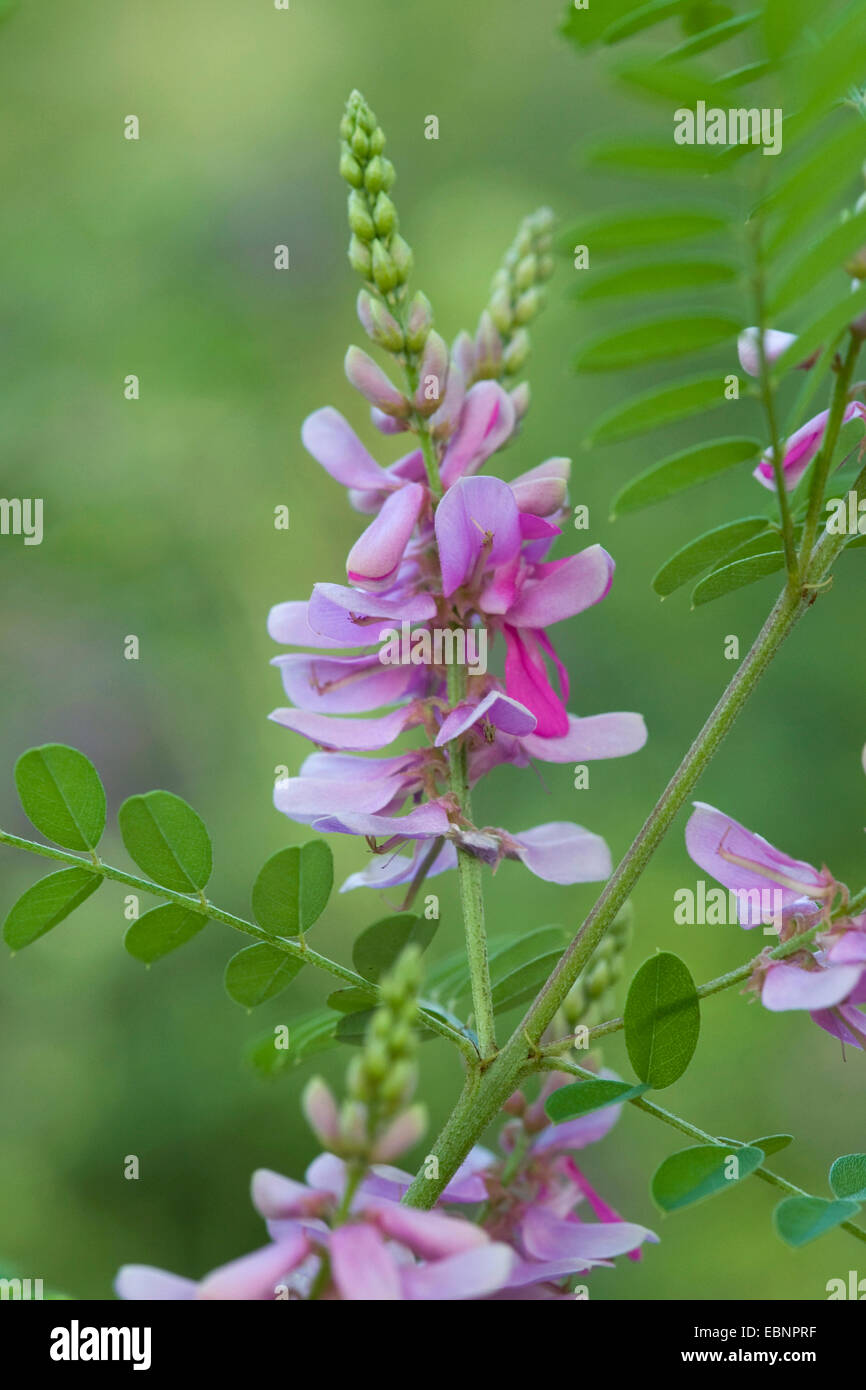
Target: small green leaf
column 61, row 793
column 524, row 983
column 737, row 576
column 684, row 470
column 351, row 1000
column 258, row 973
column 378, row 947
column 640, row 17
column 161, row 930
column 655, row 156
column 654, row 277
column 829, row 253
column 644, row 226
column 292, row 889
column 699, row 1172
column 167, row 839
column 772, row 1143
column 848, row 1177
column 518, row 968
column 705, row 551
column 285, row 1046
column 655, row 340
column 46, row 904
column 570, row 1102
column 800, row 1219
column 662, row 1020
column 658, row 407
column 711, row 38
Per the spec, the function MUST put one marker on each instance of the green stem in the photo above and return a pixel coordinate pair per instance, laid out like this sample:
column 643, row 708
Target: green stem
column 471, row 887
column 769, row 402
column 828, row 448
column 200, row 904
column 685, row 1127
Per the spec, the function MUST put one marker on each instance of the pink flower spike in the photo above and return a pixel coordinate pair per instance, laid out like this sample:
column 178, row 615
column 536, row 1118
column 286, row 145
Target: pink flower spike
column 486, row 421
column 378, row 551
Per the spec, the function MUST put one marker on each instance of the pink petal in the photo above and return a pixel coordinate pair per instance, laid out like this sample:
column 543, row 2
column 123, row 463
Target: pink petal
column 139, row 1283
column 362, row 1266
column 565, row 588
column 377, row 553
column 333, row 443
column 356, row 735
column 596, row 736
column 256, row 1276
column 477, row 518
column 792, row 987
column 497, row 709
column 473, row 1274
column 564, row 853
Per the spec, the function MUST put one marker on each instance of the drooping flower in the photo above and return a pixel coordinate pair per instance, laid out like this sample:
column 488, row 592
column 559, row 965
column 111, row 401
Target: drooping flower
column 799, row 450
column 828, row 981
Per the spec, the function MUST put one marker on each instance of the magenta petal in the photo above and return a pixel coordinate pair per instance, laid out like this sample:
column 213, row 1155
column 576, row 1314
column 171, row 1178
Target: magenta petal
column 496, row 708
column 486, row 421
column 358, row 735
column 549, row 1237
column 542, row 490
column 140, row 1283
column 801, row 448
column 844, row 1022
column 744, row 861
column 566, row 587
column 333, row 443
column 426, row 822
column 379, row 550
column 256, row 1276
column 287, row 623
column 362, row 1266
column 564, row 853
column 596, row 736
column 527, row 682
column 473, row 1274
column 476, row 517
column 775, row 343
column 791, row 987
column 357, row 619
column 346, row 685
column 849, row 950
column 429, row 1234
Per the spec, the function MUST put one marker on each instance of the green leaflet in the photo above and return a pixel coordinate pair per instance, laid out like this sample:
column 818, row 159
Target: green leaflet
column 46, row 904
column 848, row 1177
column 293, row 887
column 737, row 576
column 829, row 253
column 799, row 1220
column 654, row 340
column 289, row 1044
column 654, row 277
column 705, row 551
column 570, row 1102
column 61, row 793
column 161, row 930
column 379, row 946
column 167, row 839
column 696, row 1173
column 644, row 226
column 258, row 973
column 662, row 1020
column 660, row 406
column 684, row 470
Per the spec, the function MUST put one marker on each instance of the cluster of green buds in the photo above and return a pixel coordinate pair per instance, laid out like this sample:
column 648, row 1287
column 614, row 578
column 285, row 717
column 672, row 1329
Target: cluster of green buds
column 594, row 997
column 376, row 251
column 502, row 340
column 377, row 1122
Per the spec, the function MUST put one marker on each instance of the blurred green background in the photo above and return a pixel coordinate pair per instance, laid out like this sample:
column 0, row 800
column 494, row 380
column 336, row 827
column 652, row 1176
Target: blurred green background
column 156, row 258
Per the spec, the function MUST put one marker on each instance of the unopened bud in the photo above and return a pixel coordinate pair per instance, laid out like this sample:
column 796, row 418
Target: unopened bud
column 320, row 1109
column 432, row 375
column 385, row 273
column 528, row 305
column 516, row 352
column 381, row 326
column 385, row 215
column 368, row 378
column 350, row 169
column 360, row 258
column 488, row 347
column 400, row 1135
column 525, row 273
column 419, row 321
column 521, row 397
column 360, row 220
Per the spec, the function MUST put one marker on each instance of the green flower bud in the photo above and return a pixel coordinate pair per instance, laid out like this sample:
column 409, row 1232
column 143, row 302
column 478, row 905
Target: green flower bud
column 419, row 321
column 516, row 353
column 377, row 140
column 384, row 273
column 401, row 255
column 350, row 169
column 399, row 1083
column 360, row 220
column 374, row 176
column 381, row 326
column 385, row 215
column 360, row 258
column 528, row 306
column 500, row 310
column 360, row 143
column 526, row 273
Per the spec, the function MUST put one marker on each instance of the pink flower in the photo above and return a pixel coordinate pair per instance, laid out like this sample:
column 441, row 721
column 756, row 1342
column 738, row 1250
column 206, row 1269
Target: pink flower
column 800, row 449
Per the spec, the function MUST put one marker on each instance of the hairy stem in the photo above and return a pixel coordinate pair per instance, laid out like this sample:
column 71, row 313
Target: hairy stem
column 471, row 888
column 200, row 904
column 828, row 448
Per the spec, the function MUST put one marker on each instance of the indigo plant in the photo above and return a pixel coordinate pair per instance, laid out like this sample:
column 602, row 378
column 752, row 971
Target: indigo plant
column 433, row 661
